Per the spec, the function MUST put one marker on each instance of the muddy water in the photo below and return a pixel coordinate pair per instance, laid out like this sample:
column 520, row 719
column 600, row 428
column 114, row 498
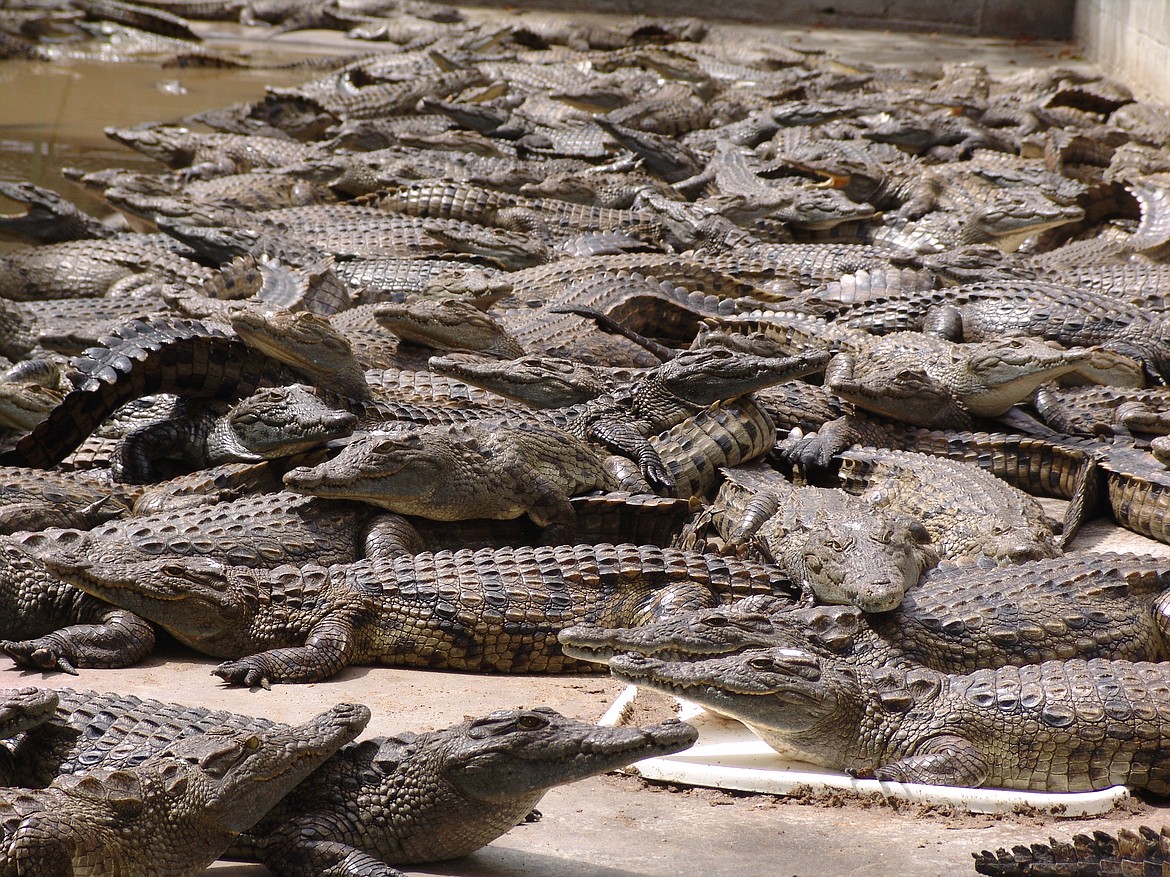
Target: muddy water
column 52, row 115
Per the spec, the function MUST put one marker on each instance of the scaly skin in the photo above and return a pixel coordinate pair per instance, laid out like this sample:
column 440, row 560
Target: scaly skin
column 24, row 708
column 271, row 423
column 448, row 324
column 970, row 515
column 1059, row 726
column 84, row 730
column 1140, row 853
column 173, row 814
column 539, row 381
column 954, row 620
column 457, row 474
column 483, row 611
column 439, row 795
column 983, row 380
column 838, row 548
column 50, row 625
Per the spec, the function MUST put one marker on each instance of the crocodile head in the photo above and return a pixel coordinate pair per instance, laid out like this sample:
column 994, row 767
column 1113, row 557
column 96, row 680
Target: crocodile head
column 196, row 599
column 447, row 324
column 174, row 147
column 306, row 342
column 812, row 208
column 784, row 694
column 47, row 218
column 907, row 394
column 461, row 787
column 181, row 808
column 510, row 753
column 508, row 249
column 539, row 381
column 711, row 374
column 25, row 708
column 280, row 421
column 989, row 377
column 384, row 469
column 722, row 630
column 1014, row 217
column 866, row 559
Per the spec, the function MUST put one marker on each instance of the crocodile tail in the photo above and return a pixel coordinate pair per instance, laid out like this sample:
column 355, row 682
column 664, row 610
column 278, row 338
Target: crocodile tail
column 1141, row 853
column 159, row 355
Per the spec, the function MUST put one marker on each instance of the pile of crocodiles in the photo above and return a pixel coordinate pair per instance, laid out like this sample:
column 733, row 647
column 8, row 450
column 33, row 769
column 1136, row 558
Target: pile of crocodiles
column 510, row 344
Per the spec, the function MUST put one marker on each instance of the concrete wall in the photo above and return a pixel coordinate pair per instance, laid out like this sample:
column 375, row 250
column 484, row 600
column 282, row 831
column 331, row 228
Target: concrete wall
column 1129, row 39
column 1048, row 19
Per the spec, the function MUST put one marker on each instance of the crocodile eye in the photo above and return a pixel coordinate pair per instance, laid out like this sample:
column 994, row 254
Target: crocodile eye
column 716, row 621
column 530, row 722
column 762, row 663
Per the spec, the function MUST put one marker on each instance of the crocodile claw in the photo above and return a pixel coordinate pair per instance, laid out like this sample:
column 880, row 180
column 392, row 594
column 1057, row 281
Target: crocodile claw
column 242, row 673
column 37, row 655
column 659, row 478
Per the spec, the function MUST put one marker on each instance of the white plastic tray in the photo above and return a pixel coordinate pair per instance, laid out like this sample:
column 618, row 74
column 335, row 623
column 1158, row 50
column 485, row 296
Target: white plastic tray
column 729, row 756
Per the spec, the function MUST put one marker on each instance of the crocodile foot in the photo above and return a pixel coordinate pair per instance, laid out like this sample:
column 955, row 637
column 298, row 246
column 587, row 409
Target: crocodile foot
column 45, row 653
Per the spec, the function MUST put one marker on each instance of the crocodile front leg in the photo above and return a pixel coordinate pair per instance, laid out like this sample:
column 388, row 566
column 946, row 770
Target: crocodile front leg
column 624, row 440
column 945, row 760
column 327, row 650
column 116, row 639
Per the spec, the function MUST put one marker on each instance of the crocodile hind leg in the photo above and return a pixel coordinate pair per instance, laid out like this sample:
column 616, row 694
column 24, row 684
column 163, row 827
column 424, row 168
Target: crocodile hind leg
column 302, row 857
column 944, row 760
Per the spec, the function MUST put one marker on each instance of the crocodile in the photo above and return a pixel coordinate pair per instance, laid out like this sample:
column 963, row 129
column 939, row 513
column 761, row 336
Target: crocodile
column 84, row 730
column 918, row 379
column 451, row 474
column 174, row 813
column 263, row 530
column 143, row 357
column 441, row 808
column 536, row 380
column 1140, row 852
column 1087, row 724
column 837, row 548
column 48, row 218
column 954, row 621
column 1104, row 411
column 481, row 611
column 969, row 514
column 272, row 423
column 214, row 154
column 439, row 795
column 31, row 499
column 1058, row 312
column 448, row 324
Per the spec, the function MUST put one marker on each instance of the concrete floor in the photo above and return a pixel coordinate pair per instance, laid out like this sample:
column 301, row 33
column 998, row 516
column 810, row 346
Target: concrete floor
column 619, row 826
